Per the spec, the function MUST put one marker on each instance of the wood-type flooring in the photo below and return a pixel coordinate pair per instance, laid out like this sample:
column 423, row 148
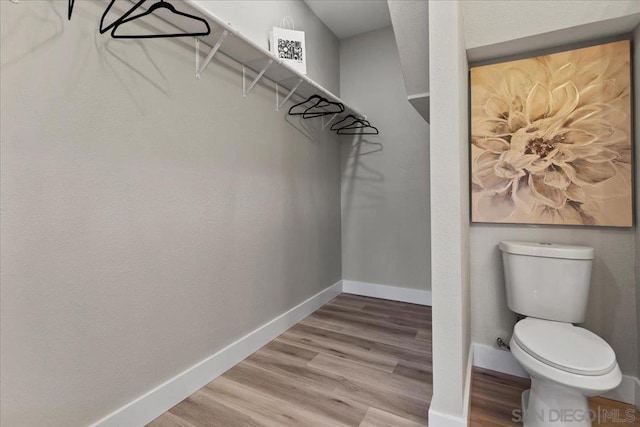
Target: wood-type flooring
column 495, row 402
column 356, row 361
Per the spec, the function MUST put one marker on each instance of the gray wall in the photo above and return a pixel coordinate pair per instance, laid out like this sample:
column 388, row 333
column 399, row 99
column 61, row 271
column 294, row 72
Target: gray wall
column 612, row 309
column 148, row 218
column 385, row 193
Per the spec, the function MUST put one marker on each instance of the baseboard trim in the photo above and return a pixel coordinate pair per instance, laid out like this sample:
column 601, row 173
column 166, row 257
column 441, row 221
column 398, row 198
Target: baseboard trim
column 438, row 419
column 626, row 392
column 497, row 360
column 466, row 402
column 503, row 361
column 393, row 293
column 157, row 401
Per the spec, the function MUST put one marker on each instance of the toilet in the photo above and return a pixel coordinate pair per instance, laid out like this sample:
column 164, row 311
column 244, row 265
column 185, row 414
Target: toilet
column 548, row 285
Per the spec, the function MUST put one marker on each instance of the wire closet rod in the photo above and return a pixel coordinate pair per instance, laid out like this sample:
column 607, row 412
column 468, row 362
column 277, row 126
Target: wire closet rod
column 298, row 76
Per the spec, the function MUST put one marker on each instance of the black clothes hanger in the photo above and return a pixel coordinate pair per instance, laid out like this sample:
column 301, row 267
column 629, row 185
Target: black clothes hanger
column 70, row 9
column 352, row 129
column 338, row 126
column 104, row 29
column 314, row 109
column 159, row 5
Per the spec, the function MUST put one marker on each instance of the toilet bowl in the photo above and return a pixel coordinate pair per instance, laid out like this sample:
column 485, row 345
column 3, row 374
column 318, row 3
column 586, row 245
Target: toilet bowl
column 566, row 364
column 548, row 284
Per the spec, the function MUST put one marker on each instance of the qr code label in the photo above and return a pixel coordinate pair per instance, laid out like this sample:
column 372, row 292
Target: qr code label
column 290, row 49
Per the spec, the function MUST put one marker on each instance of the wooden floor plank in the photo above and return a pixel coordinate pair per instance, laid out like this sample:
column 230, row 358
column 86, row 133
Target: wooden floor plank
column 199, row 410
column 378, row 418
column 316, row 400
column 264, row 408
column 496, row 401
column 369, row 323
column 375, row 378
column 296, row 370
column 423, row 373
column 169, row 420
column 400, row 404
column 380, row 336
column 326, row 346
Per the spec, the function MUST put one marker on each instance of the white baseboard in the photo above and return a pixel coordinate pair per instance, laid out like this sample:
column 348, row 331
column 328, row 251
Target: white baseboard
column 627, row 391
column 438, row 419
column 157, row 401
column 467, row 385
column 497, row 360
column 393, row 293
column 503, row 361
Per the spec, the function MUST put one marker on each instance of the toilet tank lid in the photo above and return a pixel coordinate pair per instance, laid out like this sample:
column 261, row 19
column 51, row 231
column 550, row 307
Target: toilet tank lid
column 547, row 250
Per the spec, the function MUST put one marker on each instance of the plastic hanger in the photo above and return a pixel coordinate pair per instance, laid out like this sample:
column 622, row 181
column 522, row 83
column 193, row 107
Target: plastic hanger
column 104, row 29
column 352, row 127
column 314, row 110
column 70, row 9
column 126, row 18
column 358, row 124
column 337, row 126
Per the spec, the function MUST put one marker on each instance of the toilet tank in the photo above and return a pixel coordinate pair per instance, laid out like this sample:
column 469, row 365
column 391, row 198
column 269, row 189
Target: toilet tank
column 547, row 281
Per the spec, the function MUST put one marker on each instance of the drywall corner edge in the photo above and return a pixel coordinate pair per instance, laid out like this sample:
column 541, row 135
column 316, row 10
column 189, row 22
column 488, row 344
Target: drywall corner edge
column 154, row 403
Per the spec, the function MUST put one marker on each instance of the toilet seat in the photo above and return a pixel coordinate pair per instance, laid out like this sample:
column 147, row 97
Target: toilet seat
column 565, row 347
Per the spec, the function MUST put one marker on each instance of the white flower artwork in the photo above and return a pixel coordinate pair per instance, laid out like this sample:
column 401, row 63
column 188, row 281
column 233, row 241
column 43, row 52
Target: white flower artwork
column 551, row 139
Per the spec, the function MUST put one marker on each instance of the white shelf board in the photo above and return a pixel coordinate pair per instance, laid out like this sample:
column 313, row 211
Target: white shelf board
column 254, row 57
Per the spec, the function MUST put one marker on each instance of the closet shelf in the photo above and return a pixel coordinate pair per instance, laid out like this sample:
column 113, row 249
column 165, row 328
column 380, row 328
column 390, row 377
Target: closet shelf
column 254, row 57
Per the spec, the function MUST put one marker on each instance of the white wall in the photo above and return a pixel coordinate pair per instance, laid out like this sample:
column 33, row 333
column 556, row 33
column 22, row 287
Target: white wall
column 409, row 18
column 385, row 192
column 255, row 18
column 449, row 214
column 489, row 22
column 410, row 23
column 148, row 218
column 612, row 307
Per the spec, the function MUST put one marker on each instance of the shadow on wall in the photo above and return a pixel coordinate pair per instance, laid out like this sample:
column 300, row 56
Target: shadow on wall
column 604, row 299
column 499, row 292
column 129, row 69
column 310, row 129
column 50, row 25
column 354, row 170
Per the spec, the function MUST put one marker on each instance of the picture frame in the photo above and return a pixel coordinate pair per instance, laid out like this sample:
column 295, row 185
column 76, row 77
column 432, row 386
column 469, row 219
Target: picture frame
column 551, row 138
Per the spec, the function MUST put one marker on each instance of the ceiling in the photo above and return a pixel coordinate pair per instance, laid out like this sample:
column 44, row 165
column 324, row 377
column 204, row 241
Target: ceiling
column 346, row 18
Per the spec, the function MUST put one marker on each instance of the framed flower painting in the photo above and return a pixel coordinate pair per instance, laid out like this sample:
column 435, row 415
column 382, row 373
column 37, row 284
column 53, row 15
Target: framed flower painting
column 551, row 139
